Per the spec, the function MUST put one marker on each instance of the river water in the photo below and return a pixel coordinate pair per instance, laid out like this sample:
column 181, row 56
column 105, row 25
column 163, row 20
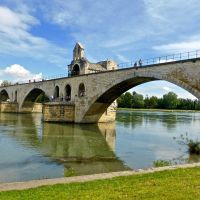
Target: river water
column 31, row 149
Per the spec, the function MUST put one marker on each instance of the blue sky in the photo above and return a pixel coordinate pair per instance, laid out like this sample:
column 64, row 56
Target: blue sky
column 37, row 36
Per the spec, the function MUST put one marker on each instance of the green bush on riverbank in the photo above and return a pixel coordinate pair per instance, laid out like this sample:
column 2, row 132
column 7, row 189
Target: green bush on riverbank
column 193, row 145
column 176, row 184
column 161, row 163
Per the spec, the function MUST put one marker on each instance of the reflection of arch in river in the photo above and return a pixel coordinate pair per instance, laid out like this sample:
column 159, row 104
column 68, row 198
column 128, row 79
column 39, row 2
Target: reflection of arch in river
column 84, row 149
column 27, row 128
column 81, row 149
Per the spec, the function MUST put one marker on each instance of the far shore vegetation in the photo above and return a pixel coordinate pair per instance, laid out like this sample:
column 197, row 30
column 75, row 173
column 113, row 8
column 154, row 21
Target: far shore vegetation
column 169, row 101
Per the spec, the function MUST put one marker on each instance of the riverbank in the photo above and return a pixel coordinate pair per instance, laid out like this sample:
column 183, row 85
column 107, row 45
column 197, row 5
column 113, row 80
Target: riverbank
column 156, row 110
column 177, row 182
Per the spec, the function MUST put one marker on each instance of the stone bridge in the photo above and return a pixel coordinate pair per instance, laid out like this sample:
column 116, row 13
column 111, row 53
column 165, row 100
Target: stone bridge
column 87, row 96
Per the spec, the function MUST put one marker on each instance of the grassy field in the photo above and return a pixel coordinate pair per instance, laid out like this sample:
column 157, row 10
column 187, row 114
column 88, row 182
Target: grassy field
column 175, row 184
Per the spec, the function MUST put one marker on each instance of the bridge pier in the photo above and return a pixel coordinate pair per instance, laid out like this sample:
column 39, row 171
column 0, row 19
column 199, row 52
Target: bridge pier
column 69, row 112
column 58, row 112
column 9, row 107
column 99, row 113
column 31, row 107
column 13, row 107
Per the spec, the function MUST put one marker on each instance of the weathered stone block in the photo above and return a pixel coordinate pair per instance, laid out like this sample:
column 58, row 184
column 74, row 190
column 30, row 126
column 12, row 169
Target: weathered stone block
column 58, row 112
column 9, row 107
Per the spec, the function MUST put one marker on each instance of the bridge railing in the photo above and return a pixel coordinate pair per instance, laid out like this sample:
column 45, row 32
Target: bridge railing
column 44, row 78
column 143, row 62
column 161, row 59
column 55, row 76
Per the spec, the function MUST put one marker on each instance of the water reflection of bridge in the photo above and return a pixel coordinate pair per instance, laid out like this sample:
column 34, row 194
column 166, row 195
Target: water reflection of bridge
column 81, row 149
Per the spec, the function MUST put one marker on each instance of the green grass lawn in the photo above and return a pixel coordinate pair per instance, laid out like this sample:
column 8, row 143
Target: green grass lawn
column 175, row 184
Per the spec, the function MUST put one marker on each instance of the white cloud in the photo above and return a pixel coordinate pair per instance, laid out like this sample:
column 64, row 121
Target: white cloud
column 167, row 88
column 123, row 58
column 176, row 23
column 108, row 27
column 16, row 39
column 179, row 46
column 162, row 59
column 166, row 60
column 159, row 88
column 18, row 73
column 174, row 12
column 102, row 22
column 15, row 20
column 116, row 25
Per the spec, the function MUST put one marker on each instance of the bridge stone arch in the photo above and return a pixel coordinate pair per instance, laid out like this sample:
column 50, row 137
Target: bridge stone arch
column 76, row 70
column 81, row 90
column 4, row 96
column 27, row 104
column 56, row 92
column 101, row 101
column 15, row 97
column 67, row 92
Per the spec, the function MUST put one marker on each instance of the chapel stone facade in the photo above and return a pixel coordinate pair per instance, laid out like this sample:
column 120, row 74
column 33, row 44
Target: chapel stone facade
column 80, row 65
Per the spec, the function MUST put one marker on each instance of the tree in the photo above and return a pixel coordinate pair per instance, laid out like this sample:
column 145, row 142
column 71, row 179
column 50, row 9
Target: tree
column 128, row 99
column 42, row 98
column 197, row 105
column 125, row 100
column 151, row 102
column 5, row 83
column 170, row 101
column 137, row 100
column 186, row 104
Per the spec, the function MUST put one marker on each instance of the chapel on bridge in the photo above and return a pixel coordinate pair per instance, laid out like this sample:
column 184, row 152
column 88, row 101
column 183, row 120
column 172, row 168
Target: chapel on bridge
column 80, row 65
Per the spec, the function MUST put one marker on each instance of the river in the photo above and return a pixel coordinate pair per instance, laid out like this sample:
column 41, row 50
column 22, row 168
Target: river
column 31, row 149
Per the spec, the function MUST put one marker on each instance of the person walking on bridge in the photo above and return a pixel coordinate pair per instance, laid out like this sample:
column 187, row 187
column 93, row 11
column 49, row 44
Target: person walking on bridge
column 140, row 62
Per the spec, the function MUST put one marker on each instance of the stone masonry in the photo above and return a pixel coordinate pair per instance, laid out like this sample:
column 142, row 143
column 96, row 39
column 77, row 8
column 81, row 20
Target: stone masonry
column 92, row 94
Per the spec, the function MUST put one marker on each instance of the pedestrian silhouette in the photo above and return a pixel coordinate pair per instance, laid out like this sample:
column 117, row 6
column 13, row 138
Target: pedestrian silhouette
column 140, row 62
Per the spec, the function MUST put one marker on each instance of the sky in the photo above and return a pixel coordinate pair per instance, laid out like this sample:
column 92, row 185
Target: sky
column 37, row 37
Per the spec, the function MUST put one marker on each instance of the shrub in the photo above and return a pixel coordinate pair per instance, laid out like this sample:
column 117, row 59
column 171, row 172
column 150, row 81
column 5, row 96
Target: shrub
column 193, row 145
column 161, row 163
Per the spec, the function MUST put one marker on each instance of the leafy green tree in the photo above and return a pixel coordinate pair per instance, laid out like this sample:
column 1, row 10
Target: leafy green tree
column 120, row 102
column 160, row 103
column 128, row 99
column 197, row 105
column 186, row 104
column 170, row 101
column 151, row 102
column 42, row 98
column 125, row 100
column 137, row 100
